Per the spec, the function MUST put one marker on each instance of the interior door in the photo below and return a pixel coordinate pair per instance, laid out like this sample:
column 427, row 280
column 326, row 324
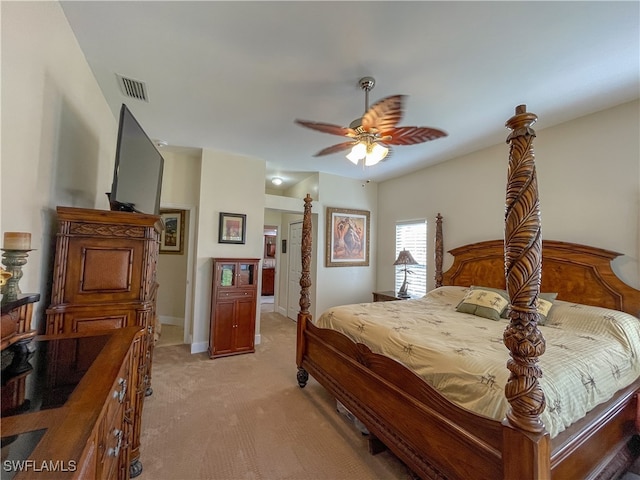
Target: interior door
column 295, row 270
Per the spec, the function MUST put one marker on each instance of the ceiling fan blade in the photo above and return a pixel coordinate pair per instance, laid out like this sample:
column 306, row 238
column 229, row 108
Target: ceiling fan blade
column 411, row 135
column 384, row 114
column 335, row 148
column 328, row 128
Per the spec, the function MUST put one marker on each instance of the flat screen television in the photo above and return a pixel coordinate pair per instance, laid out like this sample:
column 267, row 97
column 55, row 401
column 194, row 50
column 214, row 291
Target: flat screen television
column 137, row 176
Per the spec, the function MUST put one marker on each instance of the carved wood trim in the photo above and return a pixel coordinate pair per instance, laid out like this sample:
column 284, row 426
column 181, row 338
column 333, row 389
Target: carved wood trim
column 96, row 229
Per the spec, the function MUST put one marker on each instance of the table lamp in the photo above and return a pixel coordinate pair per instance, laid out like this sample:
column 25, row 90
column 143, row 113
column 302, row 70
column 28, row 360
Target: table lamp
column 405, row 258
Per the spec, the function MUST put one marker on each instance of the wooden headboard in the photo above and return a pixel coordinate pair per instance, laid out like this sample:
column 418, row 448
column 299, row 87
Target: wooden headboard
column 578, row 273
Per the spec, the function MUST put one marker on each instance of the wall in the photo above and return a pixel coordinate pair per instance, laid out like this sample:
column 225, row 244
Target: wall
column 180, row 190
column 339, row 285
column 234, row 184
column 588, row 179
column 58, row 133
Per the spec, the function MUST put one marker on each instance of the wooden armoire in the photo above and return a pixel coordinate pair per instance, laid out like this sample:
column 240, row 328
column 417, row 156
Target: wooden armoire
column 105, row 278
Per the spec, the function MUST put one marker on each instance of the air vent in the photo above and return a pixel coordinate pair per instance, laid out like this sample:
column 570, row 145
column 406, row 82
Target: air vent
column 133, row 88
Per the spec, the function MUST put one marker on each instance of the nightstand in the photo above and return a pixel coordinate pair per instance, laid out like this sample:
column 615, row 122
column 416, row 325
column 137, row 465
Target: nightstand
column 387, row 296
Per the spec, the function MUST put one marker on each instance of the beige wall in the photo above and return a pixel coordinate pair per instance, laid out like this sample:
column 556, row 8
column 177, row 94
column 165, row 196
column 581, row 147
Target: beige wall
column 338, row 285
column 58, row 134
column 228, row 183
column 589, row 183
column 180, row 191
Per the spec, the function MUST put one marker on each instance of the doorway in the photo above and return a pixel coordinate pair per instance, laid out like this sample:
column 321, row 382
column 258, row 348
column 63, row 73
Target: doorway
column 174, row 274
column 269, row 268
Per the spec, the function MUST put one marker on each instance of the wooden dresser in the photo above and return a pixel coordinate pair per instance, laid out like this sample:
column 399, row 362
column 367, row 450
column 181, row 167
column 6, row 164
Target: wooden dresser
column 67, row 406
column 234, row 297
column 105, row 278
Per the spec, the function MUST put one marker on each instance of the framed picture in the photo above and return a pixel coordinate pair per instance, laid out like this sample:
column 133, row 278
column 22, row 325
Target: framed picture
column 172, row 237
column 232, row 228
column 347, row 238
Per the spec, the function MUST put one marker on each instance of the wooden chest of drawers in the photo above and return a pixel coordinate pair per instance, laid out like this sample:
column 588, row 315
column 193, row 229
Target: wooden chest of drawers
column 72, row 404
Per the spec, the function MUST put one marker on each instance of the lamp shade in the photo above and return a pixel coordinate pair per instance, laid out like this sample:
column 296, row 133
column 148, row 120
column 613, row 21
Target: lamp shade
column 370, row 152
column 405, row 258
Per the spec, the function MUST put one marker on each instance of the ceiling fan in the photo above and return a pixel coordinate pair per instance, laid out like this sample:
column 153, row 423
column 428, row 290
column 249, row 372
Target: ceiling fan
column 372, row 135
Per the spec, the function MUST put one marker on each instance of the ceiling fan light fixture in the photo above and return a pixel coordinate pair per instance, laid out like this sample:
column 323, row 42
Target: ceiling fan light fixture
column 371, row 152
column 374, row 154
column 358, row 152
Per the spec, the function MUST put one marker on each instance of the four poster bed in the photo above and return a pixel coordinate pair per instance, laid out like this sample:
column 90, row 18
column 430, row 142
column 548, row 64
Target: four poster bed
column 434, row 435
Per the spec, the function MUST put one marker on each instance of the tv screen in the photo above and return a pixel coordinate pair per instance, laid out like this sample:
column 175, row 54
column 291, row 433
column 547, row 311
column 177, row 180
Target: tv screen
column 137, row 176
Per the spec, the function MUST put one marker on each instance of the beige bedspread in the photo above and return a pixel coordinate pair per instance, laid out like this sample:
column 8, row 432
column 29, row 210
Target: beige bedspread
column 591, row 352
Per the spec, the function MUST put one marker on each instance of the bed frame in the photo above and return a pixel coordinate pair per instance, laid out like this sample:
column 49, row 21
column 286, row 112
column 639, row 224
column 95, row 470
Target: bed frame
column 436, row 438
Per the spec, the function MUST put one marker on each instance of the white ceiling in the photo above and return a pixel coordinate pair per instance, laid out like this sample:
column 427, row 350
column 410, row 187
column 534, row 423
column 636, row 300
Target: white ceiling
column 233, row 76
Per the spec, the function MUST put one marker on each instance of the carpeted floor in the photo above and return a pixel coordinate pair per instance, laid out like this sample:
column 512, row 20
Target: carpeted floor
column 170, row 335
column 244, row 417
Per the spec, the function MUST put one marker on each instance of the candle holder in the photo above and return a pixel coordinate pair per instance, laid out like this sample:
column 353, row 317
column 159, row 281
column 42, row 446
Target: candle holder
column 14, row 261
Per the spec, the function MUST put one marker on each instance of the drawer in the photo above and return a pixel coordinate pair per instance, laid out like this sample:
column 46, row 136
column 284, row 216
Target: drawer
column 111, row 434
column 235, row 294
column 111, row 445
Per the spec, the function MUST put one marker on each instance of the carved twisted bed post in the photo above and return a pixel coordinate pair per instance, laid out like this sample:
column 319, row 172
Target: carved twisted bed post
column 305, row 282
column 439, row 251
column 523, row 268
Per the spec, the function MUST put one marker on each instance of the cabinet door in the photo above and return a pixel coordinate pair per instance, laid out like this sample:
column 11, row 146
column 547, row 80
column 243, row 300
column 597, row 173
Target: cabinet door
column 103, row 270
column 226, row 274
column 223, row 327
column 247, row 274
column 245, row 324
column 268, row 277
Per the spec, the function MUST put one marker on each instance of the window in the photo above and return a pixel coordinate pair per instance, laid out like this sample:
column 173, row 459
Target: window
column 412, row 236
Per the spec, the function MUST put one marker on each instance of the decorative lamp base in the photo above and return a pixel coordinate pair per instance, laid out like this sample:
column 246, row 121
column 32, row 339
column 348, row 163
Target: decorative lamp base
column 402, row 293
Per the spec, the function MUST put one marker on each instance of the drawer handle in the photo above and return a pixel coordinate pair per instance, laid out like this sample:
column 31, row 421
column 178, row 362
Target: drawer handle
column 114, row 452
column 122, row 383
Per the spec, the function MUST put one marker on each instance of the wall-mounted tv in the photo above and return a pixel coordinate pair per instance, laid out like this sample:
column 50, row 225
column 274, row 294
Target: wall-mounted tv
column 137, row 176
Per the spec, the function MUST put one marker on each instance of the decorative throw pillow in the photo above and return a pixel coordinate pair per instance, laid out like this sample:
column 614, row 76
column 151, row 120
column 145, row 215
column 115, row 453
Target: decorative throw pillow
column 484, row 302
column 545, row 302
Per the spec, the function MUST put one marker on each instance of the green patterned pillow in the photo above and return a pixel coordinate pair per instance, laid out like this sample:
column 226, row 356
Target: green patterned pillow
column 545, row 302
column 484, row 302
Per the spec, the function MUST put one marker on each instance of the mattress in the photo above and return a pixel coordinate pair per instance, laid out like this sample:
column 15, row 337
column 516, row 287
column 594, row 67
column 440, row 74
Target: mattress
column 591, row 352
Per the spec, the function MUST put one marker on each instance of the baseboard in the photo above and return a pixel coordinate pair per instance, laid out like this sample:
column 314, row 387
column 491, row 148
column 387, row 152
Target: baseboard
column 282, row 311
column 167, row 320
column 199, row 347
column 257, row 339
